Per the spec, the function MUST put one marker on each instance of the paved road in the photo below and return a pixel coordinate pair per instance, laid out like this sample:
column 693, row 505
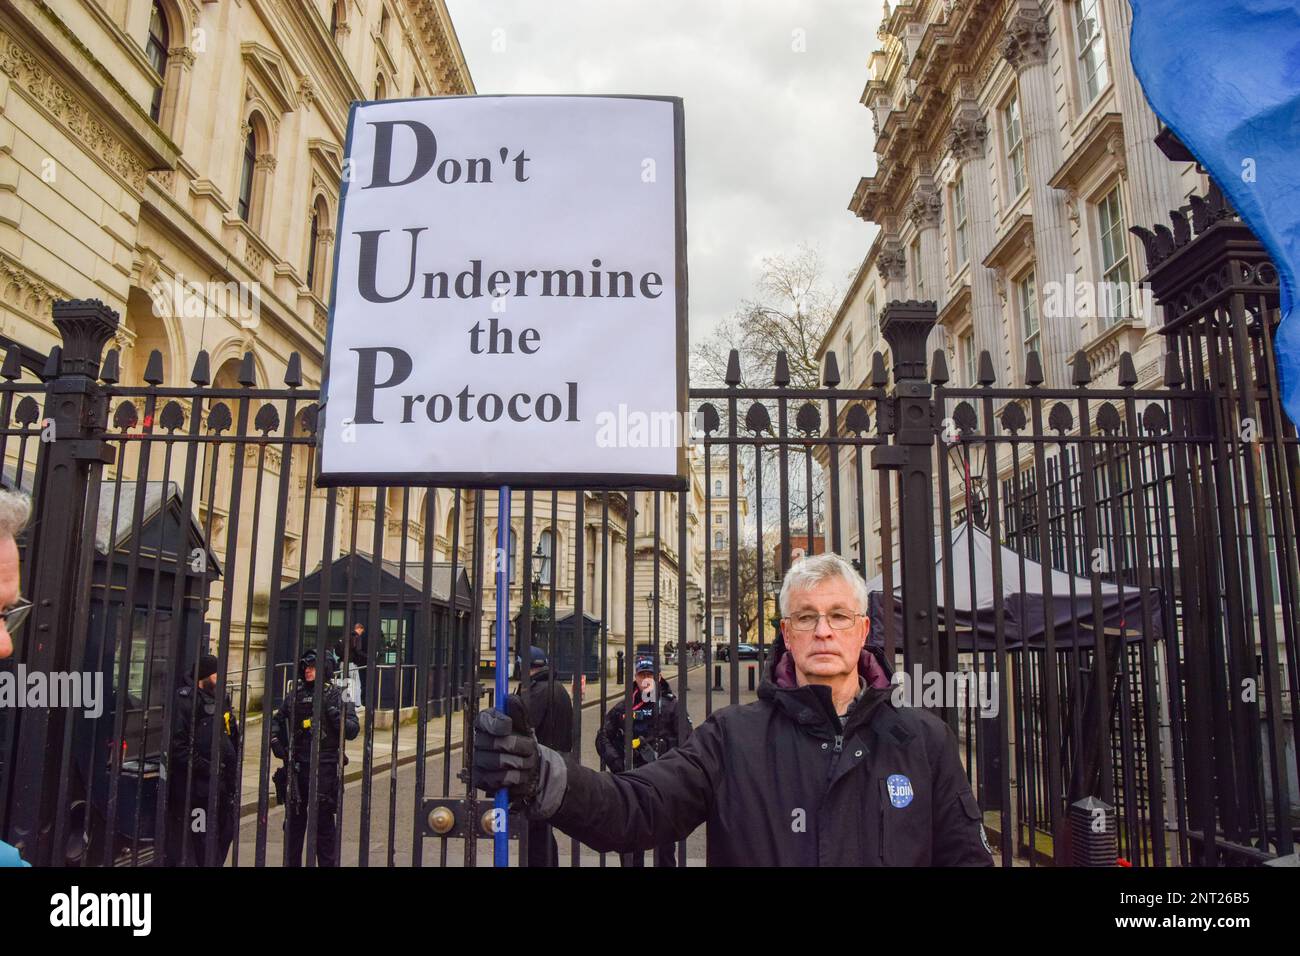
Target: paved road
column 388, row 791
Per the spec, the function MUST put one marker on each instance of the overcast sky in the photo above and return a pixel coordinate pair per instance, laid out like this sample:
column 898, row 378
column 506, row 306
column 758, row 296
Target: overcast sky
column 775, row 137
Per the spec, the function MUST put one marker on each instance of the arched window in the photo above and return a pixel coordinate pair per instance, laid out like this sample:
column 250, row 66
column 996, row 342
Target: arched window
column 156, row 50
column 717, row 486
column 381, row 87
column 547, row 545
column 512, row 555
column 246, row 177
column 336, row 17
column 717, row 540
column 313, row 250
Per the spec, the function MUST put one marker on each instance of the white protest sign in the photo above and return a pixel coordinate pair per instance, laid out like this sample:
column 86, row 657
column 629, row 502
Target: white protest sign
column 509, row 295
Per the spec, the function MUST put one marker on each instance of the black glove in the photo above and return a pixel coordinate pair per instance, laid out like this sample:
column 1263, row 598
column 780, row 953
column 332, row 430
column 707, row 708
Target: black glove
column 278, row 748
column 505, row 752
column 334, row 716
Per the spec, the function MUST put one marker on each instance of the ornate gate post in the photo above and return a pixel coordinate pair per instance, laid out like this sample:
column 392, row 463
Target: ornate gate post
column 61, row 542
column 906, row 326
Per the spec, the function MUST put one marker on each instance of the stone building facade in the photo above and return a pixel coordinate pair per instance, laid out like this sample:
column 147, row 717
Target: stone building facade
column 1014, row 148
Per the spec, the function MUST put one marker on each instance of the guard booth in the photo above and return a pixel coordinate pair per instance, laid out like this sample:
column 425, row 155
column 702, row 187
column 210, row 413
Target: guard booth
column 560, row 642
column 145, row 632
column 357, row 583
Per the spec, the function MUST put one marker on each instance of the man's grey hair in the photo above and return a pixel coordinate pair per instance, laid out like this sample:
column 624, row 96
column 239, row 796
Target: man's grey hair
column 15, row 509
column 811, row 571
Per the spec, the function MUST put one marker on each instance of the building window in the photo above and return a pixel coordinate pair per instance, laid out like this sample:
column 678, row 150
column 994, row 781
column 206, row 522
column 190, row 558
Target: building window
column 717, row 625
column 1114, row 299
column 848, row 358
column 719, row 586
column 384, row 20
column 512, row 555
column 960, row 253
column 1015, row 147
column 246, row 177
column 717, row 487
column 334, row 18
column 918, row 278
column 313, row 250
column 967, row 342
column 546, row 543
column 717, row 519
column 717, row 540
column 873, row 330
column 1090, row 50
column 1027, row 304
column 381, row 87
column 156, row 50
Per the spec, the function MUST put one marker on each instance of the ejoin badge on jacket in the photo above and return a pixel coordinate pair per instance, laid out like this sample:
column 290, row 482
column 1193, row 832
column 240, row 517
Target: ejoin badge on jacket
column 900, row 790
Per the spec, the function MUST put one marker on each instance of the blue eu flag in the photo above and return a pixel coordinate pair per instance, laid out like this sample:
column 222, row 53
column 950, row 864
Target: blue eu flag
column 1224, row 75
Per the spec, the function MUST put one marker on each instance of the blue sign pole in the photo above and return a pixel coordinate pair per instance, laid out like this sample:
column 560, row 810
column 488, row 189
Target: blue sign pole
column 501, row 821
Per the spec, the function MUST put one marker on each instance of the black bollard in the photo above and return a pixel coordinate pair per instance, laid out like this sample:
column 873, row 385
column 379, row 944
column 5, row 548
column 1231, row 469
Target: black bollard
column 619, row 658
column 717, row 677
column 752, row 669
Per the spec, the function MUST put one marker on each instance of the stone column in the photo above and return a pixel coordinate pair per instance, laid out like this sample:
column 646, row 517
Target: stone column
column 1152, row 188
column 892, row 265
column 967, row 140
column 1025, row 48
column 925, row 210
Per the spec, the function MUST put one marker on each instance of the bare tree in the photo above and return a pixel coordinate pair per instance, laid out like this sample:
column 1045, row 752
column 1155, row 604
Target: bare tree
column 791, row 309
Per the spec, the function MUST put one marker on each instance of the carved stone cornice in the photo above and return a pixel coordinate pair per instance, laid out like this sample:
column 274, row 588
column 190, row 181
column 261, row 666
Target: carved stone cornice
column 924, row 208
column 267, row 162
column 68, row 109
column 1025, row 41
column 892, row 264
column 968, row 135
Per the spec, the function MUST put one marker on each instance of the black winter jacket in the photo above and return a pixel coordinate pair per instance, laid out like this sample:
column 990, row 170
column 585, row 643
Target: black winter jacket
column 292, row 722
column 550, row 710
column 194, row 716
column 661, row 726
column 780, row 784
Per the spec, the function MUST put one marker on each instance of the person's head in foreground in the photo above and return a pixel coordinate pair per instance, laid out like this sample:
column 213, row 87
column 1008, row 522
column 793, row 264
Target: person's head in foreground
column 645, row 676
column 824, row 622
column 15, row 508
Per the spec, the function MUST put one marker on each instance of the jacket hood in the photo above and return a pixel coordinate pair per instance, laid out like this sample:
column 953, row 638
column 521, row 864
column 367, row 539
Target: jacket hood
column 872, row 666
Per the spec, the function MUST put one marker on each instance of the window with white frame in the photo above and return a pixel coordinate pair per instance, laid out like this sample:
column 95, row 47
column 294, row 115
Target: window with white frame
column 918, row 277
column 1027, row 306
column 873, row 322
column 1089, row 50
column 959, row 225
column 717, row 625
column 1113, row 299
column 967, row 344
column 546, row 544
column 1015, row 145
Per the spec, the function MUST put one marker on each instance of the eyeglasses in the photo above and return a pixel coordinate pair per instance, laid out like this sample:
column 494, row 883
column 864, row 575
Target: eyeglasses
column 14, row 615
column 838, row 620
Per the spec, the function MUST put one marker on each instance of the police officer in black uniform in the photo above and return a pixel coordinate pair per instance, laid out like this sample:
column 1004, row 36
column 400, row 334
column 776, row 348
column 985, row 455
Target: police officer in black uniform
column 191, row 775
column 291, row 738
column 660, row 724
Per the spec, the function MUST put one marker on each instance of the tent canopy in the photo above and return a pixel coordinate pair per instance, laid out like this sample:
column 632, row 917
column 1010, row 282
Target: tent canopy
column 1024, row 607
